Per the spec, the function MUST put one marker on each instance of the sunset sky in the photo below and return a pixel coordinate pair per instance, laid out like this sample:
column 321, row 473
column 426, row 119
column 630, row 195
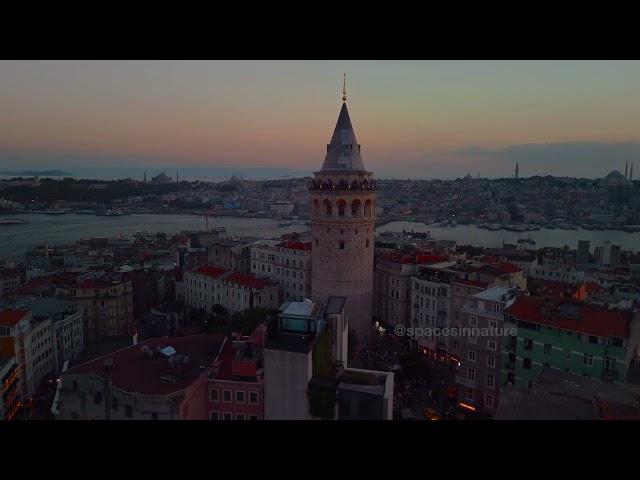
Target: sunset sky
column 419, row 119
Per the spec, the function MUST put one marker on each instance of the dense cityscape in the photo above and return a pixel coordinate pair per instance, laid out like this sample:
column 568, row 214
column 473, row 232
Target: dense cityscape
column 340, row 315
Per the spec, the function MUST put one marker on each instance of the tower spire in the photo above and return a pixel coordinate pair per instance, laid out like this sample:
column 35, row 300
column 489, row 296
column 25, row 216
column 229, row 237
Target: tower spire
column 344, row 87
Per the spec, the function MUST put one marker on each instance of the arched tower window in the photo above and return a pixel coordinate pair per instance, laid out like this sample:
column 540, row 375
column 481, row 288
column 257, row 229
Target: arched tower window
column 316, row 207
column 341, row 245
column 356, row 208
column 367, row 208
column 367, row 243
column 342, row 205
column 327, row 207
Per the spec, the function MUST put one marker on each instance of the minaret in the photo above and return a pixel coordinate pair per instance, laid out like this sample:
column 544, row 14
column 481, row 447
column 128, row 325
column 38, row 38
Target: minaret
column 343, row 204
column 631, row 172
column 177, row 177
column 626, row 170
column 517, row 169
column 145, row 177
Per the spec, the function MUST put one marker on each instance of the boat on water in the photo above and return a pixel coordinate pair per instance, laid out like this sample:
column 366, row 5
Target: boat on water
column 218, row 229
column 285, row 224
column 85, row 212
column 13, row 221
column 54, row 212
column 112, row 213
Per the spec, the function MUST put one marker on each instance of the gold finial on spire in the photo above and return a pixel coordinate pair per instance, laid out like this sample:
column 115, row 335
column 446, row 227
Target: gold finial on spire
column 344, row 88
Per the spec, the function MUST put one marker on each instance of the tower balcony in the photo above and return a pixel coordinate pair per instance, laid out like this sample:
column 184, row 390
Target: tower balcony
column 320, row 185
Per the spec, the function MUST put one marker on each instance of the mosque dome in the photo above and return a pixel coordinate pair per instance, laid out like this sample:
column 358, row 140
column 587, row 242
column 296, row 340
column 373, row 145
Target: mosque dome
column 614, row 178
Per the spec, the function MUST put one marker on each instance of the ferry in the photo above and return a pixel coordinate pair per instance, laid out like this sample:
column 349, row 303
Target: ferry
column 54, row 212
column 13, row 221
column 112, row 213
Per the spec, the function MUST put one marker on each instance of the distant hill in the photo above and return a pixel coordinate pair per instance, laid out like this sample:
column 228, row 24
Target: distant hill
column 34, row 173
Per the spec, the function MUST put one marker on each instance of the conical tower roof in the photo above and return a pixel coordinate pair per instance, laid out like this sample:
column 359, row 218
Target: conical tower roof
column 343, row 153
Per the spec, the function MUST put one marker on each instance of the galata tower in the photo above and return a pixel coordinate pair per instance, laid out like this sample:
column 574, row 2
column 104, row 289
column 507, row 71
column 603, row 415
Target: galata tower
column 343, row 204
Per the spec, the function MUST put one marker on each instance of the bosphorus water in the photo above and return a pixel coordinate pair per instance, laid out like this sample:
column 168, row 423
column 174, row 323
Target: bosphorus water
column 15, row 240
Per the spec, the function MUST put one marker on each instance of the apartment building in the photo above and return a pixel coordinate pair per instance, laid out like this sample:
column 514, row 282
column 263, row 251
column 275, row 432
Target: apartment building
column 287, row 264
column 208, row 286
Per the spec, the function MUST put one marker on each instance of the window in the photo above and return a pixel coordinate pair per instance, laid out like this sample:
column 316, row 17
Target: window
column 471, row 374
column 488, row 401
column 253, row 417
column 471, row 355
column 226, row 396
column 128, row 411
column 491, row 362
column 253, row 398
column 593, row 339
column 97, row 398
column 493, row 325
column 616, row 342
column 227, row 416
column 341, row 245
column 456, row 346
column 115, row 403
column 492, row 345
column 588, row 360
column 213, row 395
column 473, row 321
column 526, row 363
column 496, row 308
column 547, row 349
column 470, row 395
column 490, row 381
column 528, row 344
column 213, row 416
column 239, row 396
column 240, row 416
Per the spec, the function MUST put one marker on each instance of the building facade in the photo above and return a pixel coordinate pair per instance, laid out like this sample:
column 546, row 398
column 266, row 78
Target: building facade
column 480, row 350
column 208, row 286
column 431, row 309
column 288, row 264
column 10, row 280
column 343, row 204
column 230, row 254
column 106, row 305
column 571, row 337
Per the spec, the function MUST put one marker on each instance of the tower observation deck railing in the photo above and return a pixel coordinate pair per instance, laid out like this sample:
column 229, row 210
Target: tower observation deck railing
column 318, row 185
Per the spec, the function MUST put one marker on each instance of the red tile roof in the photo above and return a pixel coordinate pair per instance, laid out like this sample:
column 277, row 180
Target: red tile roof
column 135, row 371
column 556, row 289
column 10, row 318
column 246, row 280
column 211, row 271
column 593, row 320
column 508, row 267
column 35, row 286
column 295, row 245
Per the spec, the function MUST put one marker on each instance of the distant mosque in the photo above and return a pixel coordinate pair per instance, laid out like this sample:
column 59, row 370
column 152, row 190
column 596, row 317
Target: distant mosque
column 616, row 179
